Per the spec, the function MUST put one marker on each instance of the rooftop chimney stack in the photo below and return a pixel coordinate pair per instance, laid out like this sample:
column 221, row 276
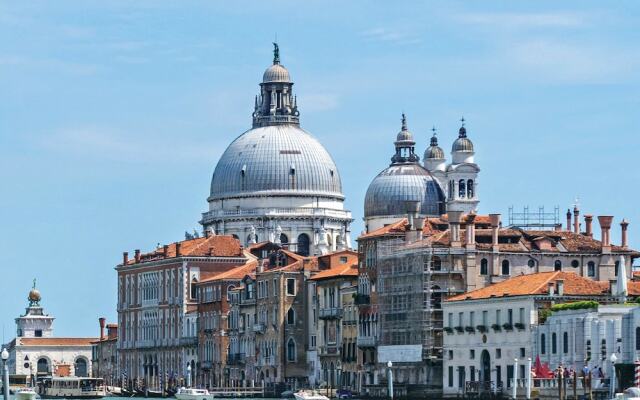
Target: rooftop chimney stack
column 550, row 288
column 605, row 226
column 568, row 219
column 137, row 256
column 102, row 322
column 588, row 221
column 165, row 250
column 576, row 219
column 125, row 258
column 178, row 249
column 560, row 286
column 624, row 225
column 558, row 227
column 495, row 226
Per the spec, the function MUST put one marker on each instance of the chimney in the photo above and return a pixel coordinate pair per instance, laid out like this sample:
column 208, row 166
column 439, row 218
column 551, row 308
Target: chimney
column 624, row 225
column 558, row 227
column 412, row 208
column 569, row 219
column 588, row 221
column 454, row 227
column 495, row 225
column 102, row 321
column 550, row 288
column 605, row 226
column 471, row 229
column 419, row 222
column 576, row 220
column 178, row 248
column 125, row 258
column 137, row 256
column 560, row 286
column 165, row 250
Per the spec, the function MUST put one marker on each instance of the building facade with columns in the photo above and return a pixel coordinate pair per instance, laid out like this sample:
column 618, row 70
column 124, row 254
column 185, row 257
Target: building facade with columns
column 276, row 182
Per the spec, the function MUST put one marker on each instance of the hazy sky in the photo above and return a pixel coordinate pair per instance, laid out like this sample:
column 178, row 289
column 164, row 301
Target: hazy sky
column 113, row 115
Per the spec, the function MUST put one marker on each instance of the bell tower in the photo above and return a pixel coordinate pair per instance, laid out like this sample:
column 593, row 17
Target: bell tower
column 34, row 322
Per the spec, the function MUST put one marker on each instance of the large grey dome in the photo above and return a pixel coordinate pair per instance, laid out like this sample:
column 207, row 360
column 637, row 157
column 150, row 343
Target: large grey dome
column 398, row 183
column 276, row 73
column 272, row 160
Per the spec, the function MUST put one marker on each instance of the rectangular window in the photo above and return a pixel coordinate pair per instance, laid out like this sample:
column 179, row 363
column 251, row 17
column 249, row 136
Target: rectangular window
column 498, row 317
column 510, row 316
column 499, row 375
column 450, row 320
column 461, row 378
column 521, row 315
column 275, row 287
column 450, row 376
column 498, row 353
column 472, row 373
column 460, row 316
column 509, row 375
column 343, row 260
column 313, row 340
column 485, row 318
column 38, row 333
column 291, row 287
column 522, row 352
column 450, row 354
column 472, row 354
column 472, row 315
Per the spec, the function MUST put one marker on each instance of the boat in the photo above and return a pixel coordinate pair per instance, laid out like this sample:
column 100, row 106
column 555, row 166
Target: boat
column 193, row 394
column 72, row 388
column 632, row 393
column 309, row 395
column 26, row 393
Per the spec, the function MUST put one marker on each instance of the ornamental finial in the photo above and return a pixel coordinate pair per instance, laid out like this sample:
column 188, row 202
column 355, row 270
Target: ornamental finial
column 434, row 138
column 404, row 122
column 276, row 53
column 34, row 283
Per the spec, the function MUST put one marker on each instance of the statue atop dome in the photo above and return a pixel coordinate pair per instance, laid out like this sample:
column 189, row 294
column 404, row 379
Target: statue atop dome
column 34, row 296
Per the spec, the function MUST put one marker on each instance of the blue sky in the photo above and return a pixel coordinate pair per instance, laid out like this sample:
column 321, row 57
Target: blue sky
column 113, row 115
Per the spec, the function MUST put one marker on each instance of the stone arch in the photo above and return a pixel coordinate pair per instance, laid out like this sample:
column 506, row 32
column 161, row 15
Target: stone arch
column 303, row 244
column 43, row 366
column 81, row 366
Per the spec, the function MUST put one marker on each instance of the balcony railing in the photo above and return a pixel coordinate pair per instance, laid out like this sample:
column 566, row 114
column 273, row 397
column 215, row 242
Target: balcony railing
column 330, row 313
column 366, row 341
column 189, row 341
column 329, row 350
column 259, row 328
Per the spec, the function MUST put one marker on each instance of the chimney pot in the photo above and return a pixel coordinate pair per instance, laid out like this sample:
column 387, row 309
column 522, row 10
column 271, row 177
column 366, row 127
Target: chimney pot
column 569, row 220
column 624, row 225
column 165, row 250
column 125, row 258
column 588, row 221
column 560, row 286
column 605, row 225
column 550, row 288
column 178, row 249
column 102, row 322
column 137, row 256
column 576, row 220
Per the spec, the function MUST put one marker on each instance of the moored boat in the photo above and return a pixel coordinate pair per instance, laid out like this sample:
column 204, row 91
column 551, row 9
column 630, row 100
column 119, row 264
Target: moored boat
column 72, row 388
column 309, row 395
column 26, row 393
column 193, row 394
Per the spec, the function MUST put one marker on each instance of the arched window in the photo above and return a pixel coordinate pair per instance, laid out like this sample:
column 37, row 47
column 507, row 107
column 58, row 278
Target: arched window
column 284, row 239
column 291, row 316
column 80, row 367
column 557, row 265
column 461, row 189
column 591, row 268
column 194, row 290
column 303, row 244
column 543, row 344
column 437, row 263
column 554, row 343
column 43, row 366
column 291, row 350
column 470, row 188
column 565, row 342
column 484, row 267
column 638, row 338
column 249, row 239
column 616, row 267
column 505, row 267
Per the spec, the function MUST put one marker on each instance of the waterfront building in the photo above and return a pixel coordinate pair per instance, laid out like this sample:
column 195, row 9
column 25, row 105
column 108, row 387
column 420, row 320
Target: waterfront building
column 333, row 347
column 486, row 329
column 276, row 182
column 157, row 306
column 36, row 352
column 104, row 358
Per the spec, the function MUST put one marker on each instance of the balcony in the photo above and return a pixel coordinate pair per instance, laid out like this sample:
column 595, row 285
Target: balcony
column 331, row 350
column 330, row 313
column 259, row 328
column 366, row 341
column 362, row 299
column 233, row 359
column 189, row 341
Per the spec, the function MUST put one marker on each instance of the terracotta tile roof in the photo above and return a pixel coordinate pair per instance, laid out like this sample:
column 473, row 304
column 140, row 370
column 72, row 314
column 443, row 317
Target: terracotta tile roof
column 633, row 288
column 344, row 270
column 236, row 273
column 57, row 341
column 213, row 246
column 536, row 284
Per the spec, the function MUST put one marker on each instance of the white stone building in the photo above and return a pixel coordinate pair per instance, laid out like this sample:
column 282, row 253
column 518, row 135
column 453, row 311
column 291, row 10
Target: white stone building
column 276, row 182
column 486, row 329
column 36, row 352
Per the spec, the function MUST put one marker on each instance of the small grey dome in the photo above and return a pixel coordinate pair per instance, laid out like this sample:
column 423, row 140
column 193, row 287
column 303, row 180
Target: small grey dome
column 396, row 184
column 276, row 73
column 434, row 153
column 462, row 143
column 275, row 160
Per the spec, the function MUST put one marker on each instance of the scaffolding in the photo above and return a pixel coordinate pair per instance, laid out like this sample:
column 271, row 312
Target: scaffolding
column 531, row 220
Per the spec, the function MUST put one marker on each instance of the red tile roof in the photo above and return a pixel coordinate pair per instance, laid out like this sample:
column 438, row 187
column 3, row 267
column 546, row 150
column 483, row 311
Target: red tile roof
column 213, row 246
column 537, row 284
column 236, row 273
column 340, row 271
column 57, row 341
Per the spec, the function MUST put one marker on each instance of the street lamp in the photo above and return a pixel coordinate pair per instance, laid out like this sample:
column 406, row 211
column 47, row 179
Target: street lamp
column 5, row 375
column 390, row 379
column 613, row 360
